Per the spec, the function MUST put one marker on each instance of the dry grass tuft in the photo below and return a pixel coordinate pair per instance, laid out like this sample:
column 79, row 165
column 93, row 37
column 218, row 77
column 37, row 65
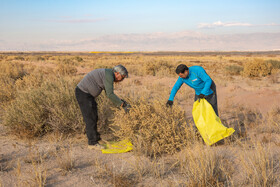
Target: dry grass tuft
column 153, row 128
column 105, row 172
column 39, row 178
column 205, row 166
column 261, row 166
column 65, row 159
column 272, row 122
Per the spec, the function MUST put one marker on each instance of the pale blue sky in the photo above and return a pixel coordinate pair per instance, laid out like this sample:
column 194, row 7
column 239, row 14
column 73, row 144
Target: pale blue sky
column 41, row 24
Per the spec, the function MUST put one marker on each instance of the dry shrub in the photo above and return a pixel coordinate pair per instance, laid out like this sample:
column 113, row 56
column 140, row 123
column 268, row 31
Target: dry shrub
column 205, row 166
column 50, row 107
column 261, row 166
column 12, row 70
column 105, row 113
column 273, row 78
column 29, row 82
column 158, row 68
column 234, row 69
column 19, row 58
column 78, row 59
column 37, row 58
column 153, row 128
column 257, row 68
column 7, row 89
column 66, row 69
column 275, row 63
column 272, row 122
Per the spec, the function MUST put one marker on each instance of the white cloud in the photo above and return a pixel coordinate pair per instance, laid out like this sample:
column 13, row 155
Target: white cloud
column 221, row 24
column 231, row 24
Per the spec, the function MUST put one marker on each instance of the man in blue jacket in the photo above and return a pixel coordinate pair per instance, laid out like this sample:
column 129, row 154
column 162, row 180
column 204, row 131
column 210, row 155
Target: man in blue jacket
column 197, row 78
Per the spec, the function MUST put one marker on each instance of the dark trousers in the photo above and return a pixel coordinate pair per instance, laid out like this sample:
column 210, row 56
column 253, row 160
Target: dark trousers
column 212, row 99
column 88, row 108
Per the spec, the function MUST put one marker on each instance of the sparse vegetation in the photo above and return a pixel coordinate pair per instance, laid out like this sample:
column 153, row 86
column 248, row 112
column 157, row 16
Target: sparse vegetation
column 234, row 69
column 38, row 105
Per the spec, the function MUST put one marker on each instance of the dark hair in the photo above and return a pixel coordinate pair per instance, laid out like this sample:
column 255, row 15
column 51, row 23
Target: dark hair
column 181, row 68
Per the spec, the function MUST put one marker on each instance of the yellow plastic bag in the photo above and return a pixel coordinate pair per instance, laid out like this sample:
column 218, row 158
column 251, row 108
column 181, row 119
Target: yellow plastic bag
column 208, row 123
column 118, row 147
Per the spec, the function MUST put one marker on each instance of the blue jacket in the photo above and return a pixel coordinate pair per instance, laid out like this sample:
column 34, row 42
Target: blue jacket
column 197, row 79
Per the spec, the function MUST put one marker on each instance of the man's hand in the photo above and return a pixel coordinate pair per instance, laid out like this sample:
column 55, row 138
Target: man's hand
column 169, row 103
column 201, row 96
column 126, row 106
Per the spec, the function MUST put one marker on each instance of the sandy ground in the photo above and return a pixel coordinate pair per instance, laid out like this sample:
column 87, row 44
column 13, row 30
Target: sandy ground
column 87, row 163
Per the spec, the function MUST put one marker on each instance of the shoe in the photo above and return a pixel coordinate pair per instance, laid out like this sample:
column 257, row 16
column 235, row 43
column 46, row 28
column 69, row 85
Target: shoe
column 102, row 142
column 96, row 146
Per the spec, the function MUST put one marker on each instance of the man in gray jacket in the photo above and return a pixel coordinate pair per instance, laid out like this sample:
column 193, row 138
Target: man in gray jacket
column 86, row 92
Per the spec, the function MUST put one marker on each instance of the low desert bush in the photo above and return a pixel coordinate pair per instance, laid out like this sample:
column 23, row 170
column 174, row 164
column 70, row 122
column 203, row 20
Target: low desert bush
column 271, row 124
column 205, row 166
column 261, row 166
column 158, row 68
column 257, row 68
column 50, row 107
column 7, row 89
column 78, row 59
column 153, row 128
column 275, row 63
column 19, row 58
column 234, row 69
column 29, row 82
column 12, row 70
column 65, row 69
column 105, row 113
column 9, row 74
column 37, row 58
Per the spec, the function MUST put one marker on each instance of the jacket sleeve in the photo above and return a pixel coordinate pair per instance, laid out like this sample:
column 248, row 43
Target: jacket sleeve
column 109, row 88
column 175, row 88
column 208, row 81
